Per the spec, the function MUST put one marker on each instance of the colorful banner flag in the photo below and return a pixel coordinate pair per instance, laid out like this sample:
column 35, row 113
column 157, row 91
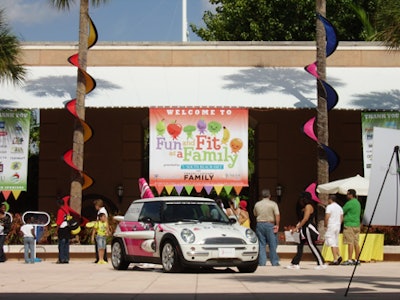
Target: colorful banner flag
column 14, row 143
column 369, row 120
column 198, row 147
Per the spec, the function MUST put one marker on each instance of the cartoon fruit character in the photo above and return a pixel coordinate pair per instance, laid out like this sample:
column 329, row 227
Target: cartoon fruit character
column 16, row 165
column 201, row 125
column 15, row 177
column 236, row 144
column 189, row 129
column 160, row 127
column 214, row 127
column 226, row 135
column 174, row 129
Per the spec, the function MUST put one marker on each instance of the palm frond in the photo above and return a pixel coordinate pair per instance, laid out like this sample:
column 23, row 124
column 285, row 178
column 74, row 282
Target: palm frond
column 388, row 23
column 368, row 29
column 10, row 68
column 66, row 4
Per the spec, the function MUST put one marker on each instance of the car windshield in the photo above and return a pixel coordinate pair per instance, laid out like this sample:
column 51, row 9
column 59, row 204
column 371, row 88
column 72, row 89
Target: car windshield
column 193, row 211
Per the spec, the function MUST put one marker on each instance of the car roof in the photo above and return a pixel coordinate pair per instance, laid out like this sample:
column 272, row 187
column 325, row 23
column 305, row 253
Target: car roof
column 174, row 198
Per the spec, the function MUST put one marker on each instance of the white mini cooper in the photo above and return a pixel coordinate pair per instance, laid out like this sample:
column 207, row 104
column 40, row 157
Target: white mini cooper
column 182, row 232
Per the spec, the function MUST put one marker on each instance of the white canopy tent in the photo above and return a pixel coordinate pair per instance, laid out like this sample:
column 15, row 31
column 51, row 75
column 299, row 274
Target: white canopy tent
column 252, row 87
column 358, row 183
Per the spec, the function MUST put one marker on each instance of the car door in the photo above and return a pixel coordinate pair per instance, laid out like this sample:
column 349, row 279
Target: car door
column 140, row 243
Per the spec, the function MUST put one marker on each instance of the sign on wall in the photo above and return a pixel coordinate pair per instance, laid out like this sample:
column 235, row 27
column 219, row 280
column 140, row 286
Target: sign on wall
column 383, row 207
column 14, row 142
column 369, row 120
column 198, row 147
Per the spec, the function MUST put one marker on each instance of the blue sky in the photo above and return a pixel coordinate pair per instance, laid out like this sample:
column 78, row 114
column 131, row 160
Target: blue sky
column 116, row 21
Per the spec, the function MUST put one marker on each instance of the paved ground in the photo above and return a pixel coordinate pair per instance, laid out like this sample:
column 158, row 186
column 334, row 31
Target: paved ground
column 82, row 279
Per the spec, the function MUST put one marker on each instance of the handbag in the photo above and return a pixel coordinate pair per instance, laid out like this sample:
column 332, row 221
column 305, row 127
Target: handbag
column 292, row 236
column 72, row 223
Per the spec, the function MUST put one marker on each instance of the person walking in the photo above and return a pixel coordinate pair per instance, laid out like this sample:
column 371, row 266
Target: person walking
column 307, row 212
column 99, row 206
column 28, row 231
column 351, row 230
column 5, row 226
column 333, row 220
column 268, row 218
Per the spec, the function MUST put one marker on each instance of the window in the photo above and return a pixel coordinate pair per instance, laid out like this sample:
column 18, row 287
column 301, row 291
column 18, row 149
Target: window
column 151, row 210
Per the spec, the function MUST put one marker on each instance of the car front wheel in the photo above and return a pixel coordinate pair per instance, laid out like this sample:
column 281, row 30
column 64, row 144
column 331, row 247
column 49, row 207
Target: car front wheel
column 170, row 258
column 118, row 256
column 249, row 268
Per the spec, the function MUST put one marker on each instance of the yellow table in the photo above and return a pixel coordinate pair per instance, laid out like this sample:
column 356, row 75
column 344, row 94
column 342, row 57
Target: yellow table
column 373, row 248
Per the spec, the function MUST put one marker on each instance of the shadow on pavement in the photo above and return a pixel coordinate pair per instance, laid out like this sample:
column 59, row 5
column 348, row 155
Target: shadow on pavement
column 338, row 294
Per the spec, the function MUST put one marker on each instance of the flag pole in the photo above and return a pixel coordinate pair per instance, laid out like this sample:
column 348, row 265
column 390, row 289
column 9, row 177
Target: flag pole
column 184, row 21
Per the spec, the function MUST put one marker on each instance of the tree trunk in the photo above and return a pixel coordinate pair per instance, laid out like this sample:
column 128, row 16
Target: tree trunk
column 78, row 138
column 322, row 113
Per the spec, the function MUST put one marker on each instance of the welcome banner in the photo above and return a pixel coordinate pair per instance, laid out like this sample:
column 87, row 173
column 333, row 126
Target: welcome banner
column 14, row 142
column 200, row 147
column 369, row 120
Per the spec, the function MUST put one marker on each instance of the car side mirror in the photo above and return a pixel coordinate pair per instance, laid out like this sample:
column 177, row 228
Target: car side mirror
column 147, row 220
column 232, row 220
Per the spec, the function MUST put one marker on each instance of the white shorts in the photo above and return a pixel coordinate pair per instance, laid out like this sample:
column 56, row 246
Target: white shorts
column 332, row 236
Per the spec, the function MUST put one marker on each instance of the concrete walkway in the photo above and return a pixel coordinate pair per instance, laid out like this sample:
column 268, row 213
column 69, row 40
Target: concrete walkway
column 82, row 279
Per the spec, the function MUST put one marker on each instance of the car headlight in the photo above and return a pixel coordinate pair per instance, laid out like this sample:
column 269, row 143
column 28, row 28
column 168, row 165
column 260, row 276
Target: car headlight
column 187, row 235
column 251, row 236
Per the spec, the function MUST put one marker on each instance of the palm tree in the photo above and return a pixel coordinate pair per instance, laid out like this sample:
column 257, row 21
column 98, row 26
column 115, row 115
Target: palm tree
column 322, row 112
column 10, row 68
column 78, row 137
column 388, row 23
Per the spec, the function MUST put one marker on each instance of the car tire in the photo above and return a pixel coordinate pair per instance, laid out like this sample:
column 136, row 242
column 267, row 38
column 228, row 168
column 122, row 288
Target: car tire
column 170, row 258
column 249, row 268
column 118, row 259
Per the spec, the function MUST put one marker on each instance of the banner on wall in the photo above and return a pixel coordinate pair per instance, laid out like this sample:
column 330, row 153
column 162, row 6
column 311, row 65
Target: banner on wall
column 369, row 120
column 383, row 207
column 14, row 143
column 198, row 147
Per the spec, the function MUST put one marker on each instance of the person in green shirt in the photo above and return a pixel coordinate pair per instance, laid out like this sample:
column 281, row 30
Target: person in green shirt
column 351, row 230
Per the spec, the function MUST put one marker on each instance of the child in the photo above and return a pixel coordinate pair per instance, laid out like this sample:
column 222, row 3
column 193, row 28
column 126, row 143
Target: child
column 28, row 230
column 101, row 231
column 99, row 205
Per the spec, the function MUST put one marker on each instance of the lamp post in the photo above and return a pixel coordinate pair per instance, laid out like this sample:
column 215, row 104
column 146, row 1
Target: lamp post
column 120, row 192
column 279, row 190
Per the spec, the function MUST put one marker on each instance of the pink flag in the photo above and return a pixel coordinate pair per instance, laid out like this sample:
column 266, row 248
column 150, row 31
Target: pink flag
column 312, row 69
column 311, row 189
column 145, row 191
column 308, row 129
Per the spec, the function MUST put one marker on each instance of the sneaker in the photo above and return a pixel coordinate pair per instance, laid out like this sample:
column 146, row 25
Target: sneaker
column 320, row 267
column 349, row 262
column 357, row 262
column 293, row 267
column 336, row 262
